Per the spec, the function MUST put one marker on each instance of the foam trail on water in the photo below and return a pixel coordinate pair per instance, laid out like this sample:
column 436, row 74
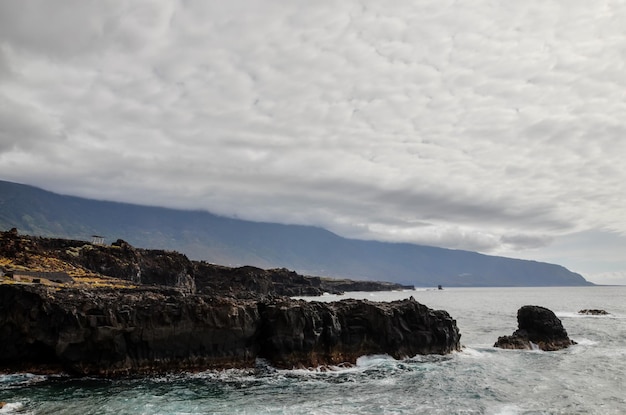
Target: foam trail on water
column 586, row 342
column 469, row 352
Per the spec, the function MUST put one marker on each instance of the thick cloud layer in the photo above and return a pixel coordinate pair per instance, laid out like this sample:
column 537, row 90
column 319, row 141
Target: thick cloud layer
column 480, row 125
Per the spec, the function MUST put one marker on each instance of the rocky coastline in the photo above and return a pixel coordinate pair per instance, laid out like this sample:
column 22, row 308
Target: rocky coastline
column 119, row 332
column 88, row 309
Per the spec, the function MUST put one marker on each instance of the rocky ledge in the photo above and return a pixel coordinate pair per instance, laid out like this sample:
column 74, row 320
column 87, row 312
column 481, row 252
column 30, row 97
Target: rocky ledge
column 141, row 330
column 537, row 326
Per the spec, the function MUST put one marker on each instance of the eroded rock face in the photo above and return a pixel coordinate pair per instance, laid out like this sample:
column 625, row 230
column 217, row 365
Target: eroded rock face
column 297, row 333
column 116, row 332
column 537, row 326
column 113, row 332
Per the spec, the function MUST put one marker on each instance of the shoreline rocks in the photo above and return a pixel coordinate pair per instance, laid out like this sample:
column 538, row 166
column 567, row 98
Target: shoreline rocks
column 537, row 326
column 120, row 332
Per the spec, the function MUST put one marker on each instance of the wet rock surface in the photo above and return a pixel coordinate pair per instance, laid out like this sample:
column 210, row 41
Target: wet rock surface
column 538, row 327
column 153, row 330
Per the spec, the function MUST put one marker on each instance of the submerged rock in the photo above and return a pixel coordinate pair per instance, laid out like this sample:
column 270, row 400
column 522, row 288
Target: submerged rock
column 112, row 332
column 538, row 327
column 593, row 312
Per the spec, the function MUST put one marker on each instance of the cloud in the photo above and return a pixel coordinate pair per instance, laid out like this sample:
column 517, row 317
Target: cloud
column 525, row 241
column 608, row 278
column 478, row 125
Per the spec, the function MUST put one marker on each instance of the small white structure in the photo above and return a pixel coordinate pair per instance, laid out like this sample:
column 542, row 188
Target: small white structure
column 97, row 240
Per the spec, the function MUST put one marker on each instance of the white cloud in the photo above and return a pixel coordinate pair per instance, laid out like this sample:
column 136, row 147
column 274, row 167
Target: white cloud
column 608, row 278
column 476, row 125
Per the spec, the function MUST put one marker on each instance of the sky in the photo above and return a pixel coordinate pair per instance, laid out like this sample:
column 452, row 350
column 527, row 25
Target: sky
column 491, row 126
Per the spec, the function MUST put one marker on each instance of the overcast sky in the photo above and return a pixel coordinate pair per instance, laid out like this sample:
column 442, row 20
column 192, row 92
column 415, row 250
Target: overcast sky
column 492, row 126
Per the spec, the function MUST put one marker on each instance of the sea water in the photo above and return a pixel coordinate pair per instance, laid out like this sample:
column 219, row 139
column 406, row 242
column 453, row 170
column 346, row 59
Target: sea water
column 588, row 378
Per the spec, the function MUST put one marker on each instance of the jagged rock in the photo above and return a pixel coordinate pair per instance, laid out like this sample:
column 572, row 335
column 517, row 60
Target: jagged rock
column 537, row 326
column 593, row 312
column 311, row 334
column 113, row 332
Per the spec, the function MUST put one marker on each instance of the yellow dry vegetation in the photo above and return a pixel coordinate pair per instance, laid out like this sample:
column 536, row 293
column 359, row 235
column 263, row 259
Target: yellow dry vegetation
column 96, row 281
column 81, row 277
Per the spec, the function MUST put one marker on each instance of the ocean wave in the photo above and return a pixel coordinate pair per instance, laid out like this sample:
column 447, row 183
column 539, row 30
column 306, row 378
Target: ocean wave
column 477, row 352
column 20, row 379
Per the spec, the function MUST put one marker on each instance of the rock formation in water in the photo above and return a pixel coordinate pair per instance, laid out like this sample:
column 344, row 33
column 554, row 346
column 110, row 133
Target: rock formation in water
column 593, row 312
column 122, row 331
column 537, row 326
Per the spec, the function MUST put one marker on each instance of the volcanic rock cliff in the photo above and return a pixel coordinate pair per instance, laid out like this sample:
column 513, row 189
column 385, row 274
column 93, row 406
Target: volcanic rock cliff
column 89, row 309
column 79, row 260
column 113, row 332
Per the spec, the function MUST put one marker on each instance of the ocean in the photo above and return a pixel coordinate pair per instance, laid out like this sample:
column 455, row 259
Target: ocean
column 588, row 378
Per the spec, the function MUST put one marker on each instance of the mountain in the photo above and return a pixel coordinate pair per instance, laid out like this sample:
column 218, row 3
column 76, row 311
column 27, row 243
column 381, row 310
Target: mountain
column 305, row 249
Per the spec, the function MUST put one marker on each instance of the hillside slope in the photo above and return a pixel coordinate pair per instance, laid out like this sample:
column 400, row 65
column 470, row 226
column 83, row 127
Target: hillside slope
column 305, row 249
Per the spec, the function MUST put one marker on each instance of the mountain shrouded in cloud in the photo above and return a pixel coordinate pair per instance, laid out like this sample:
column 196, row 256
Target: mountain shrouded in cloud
column 227, row 241
column 480, row 125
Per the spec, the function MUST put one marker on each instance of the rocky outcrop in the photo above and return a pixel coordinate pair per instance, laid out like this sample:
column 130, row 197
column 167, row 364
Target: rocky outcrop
column 154, row 267
column 334, row 285
column 112, row 332
column 310, row 334
column 593, row 312
column 538, row 327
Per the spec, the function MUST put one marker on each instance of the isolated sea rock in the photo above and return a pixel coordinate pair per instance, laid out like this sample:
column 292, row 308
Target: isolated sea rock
column 538, row 327
column 593, row 312
column 113, row 332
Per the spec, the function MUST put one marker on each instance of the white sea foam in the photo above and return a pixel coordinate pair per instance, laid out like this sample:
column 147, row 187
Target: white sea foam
column 373, row 360
column 469, row 352
column 586, row 342
column 12, row 408
column 507, row 410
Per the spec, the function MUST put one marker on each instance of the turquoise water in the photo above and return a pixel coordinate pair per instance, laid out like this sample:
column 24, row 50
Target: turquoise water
column 585, row 379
